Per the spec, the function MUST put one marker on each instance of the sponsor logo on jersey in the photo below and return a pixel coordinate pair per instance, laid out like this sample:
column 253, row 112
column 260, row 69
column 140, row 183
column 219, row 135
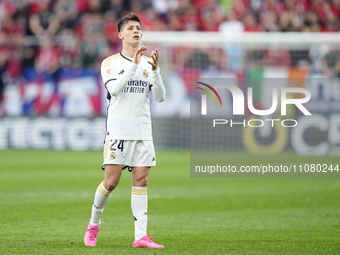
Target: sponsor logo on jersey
column 145, row 73
column 121, row 72
column 137, row 83
column 109, row 71
column 135, row 86
column 113, row 155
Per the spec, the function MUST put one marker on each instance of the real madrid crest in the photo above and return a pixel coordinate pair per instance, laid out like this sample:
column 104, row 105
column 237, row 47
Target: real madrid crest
column 145, row 73
column 113, row 155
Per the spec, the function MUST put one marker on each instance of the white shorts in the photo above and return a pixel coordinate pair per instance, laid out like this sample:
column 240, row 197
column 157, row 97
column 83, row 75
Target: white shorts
column 129, row 153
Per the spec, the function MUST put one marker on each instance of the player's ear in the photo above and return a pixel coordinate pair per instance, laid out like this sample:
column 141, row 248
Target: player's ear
column 120, row 35
column 141, row 35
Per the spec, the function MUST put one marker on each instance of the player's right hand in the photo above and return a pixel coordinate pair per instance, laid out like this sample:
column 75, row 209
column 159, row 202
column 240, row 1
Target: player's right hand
column 139, row 54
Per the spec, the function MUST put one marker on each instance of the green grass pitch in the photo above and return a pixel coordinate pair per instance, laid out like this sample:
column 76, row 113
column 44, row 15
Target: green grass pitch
column 46, row 199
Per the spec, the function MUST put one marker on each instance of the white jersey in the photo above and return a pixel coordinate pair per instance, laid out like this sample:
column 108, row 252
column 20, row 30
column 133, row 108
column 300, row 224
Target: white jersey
column 129, row 86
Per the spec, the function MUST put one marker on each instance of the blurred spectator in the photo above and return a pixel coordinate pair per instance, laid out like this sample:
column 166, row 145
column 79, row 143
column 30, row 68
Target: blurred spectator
column 13, row 32
column 275, row 7
column 317, row 55
column 312, row 22
column 255, row 58
column 66, row 13
column 138, row 8
column 240, row 8
column 270, row 12
column 211, row 15
column 12, row 42
column 164, row 7
column 47, row 66
column 7, row 8
column 119, row 7
column 82, row 6
column 235, row 55
column 69, row 50
column 330, row 22
column 157, row 23
column 277, row 57
column 174, row 22
column 255, row 5
column 231, row 26
column 47, row 59
column 250, row 24
column 43, row 20
column 337, row 69
column 93, row 45
column 95, row 6
column 111, row 20
column 218, row 59
column 199, row 59
column 188, row 15
column 335, row 7
column 28, row 56
column 89, row 52
column 318, row 7
column 290, row 20
column 331, row 63
column 270, row 22
column 4, row 54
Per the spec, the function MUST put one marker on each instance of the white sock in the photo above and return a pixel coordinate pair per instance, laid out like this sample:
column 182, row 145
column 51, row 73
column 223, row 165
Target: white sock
column 139, row 205
column 101, row 198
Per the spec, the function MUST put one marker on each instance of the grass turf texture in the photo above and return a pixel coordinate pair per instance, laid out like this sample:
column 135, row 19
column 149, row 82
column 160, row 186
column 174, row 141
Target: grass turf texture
column 46, row 200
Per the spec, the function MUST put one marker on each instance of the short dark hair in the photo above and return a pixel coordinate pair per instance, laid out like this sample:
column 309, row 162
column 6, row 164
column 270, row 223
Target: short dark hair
column 126, row 18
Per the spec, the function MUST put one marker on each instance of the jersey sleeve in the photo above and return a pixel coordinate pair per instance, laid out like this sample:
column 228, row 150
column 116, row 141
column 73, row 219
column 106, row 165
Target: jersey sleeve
column 107, row 71
column 112, row 82
column 157, row 86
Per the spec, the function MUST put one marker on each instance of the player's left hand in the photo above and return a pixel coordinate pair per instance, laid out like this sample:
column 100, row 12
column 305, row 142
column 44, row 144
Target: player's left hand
column 154, row 62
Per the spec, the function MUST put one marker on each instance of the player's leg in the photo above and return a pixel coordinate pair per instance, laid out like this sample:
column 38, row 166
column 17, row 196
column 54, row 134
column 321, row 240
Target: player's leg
column 139, row 205
column 139, row 199
column 112, row 176
column 104, row 190
column 102, row 197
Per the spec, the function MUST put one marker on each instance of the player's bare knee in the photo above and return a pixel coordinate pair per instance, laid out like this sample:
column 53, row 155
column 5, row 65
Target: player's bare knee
column 111, row 187
column 144, row 182
column 110, row 184
column 141, row 181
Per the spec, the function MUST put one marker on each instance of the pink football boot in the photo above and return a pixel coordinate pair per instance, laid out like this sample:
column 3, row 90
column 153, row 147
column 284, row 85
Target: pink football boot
column 146, row 242
column 91, row 234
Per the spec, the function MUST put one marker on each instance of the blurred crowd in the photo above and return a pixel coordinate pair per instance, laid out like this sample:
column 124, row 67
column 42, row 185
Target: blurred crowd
column 47, row 37
column 288, row 15
column 33, row 32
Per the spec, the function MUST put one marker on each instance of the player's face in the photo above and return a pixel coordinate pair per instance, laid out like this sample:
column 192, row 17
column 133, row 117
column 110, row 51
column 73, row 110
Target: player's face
column 131, row 32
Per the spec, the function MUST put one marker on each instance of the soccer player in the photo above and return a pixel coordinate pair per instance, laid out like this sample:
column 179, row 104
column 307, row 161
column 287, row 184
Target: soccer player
column 129, row 77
